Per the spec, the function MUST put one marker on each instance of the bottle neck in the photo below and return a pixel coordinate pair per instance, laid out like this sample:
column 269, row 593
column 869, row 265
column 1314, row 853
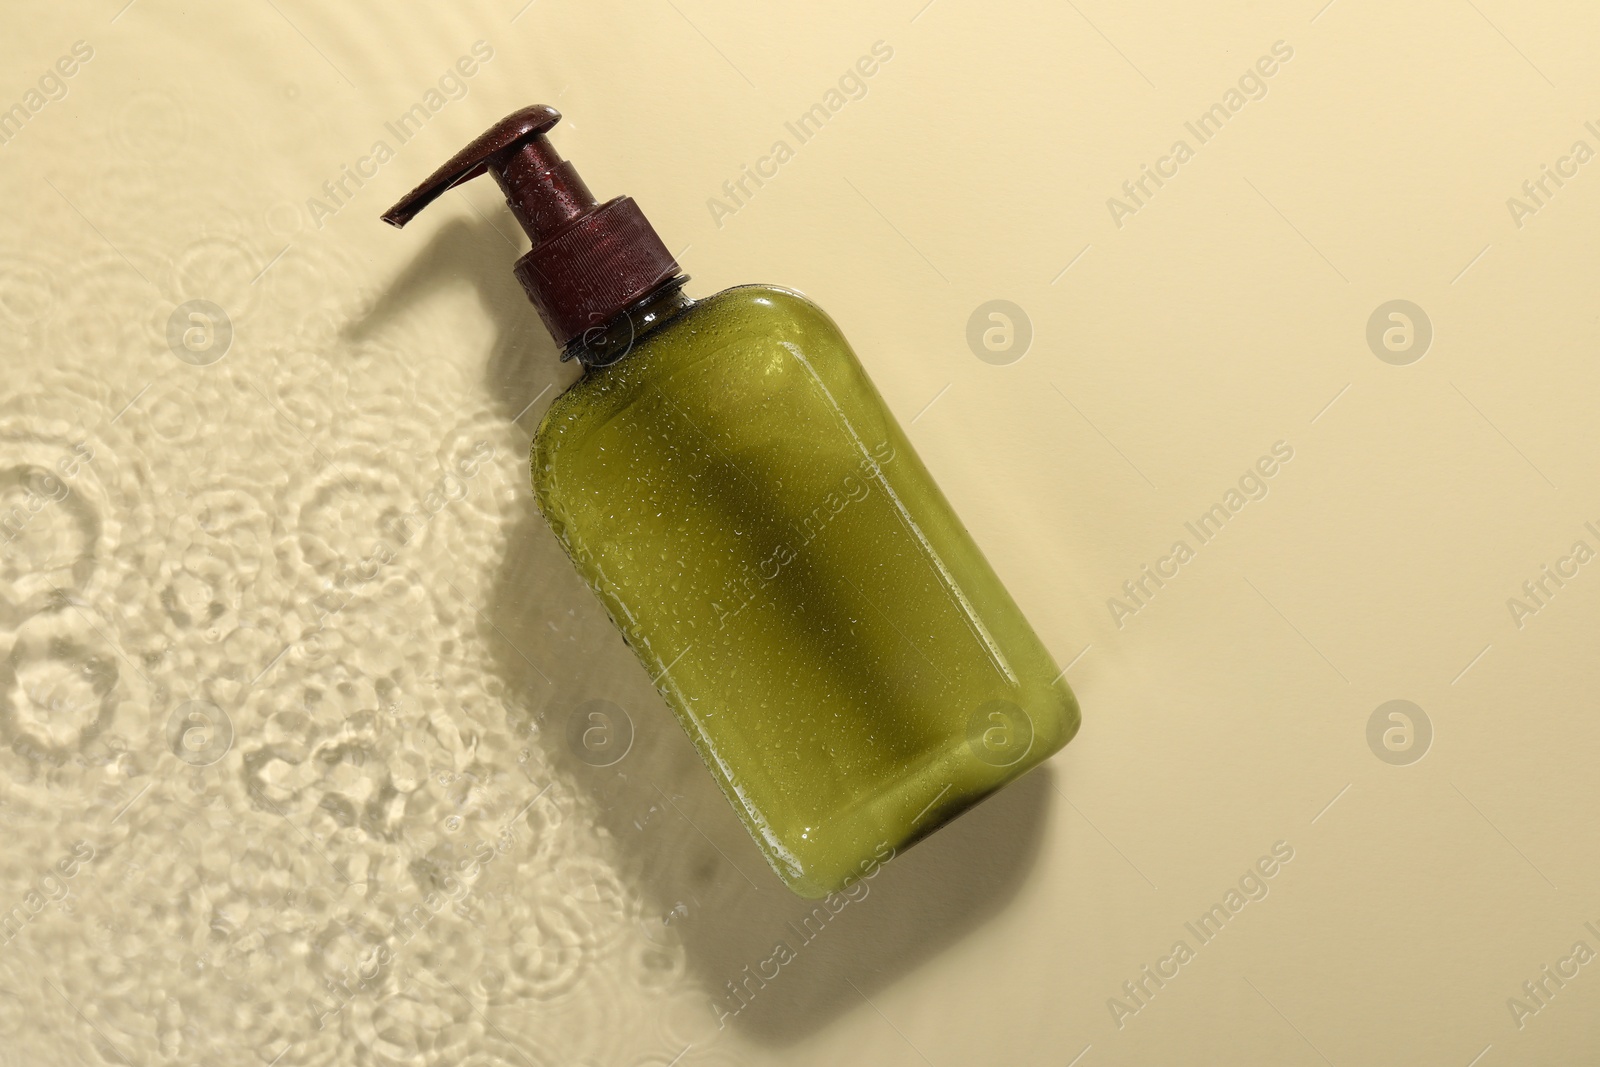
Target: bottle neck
column 603, row 346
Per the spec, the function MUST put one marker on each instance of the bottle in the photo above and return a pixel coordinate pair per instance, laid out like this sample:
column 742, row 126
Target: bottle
column 731, row 486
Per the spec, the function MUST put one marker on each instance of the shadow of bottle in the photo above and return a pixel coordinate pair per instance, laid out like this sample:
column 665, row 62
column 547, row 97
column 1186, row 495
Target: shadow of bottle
column 708, row 897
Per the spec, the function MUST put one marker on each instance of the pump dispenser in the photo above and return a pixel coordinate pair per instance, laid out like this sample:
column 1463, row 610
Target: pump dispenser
column 728, row 482
column 589, row 261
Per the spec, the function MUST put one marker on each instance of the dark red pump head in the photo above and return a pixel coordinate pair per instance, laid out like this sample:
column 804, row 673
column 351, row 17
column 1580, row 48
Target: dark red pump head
column 589, row 261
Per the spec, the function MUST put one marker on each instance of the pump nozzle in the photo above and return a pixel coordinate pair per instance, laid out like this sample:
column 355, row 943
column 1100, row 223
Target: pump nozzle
column 589, row 261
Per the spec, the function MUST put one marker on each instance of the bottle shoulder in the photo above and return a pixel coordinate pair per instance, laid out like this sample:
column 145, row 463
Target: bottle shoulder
column 770, row 301
column 736, row 347
column 730, row 323
column 746, row 314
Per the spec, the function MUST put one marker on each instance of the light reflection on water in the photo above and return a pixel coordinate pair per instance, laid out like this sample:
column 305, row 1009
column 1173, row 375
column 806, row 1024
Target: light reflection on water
column 286, row 655
column 265, row 792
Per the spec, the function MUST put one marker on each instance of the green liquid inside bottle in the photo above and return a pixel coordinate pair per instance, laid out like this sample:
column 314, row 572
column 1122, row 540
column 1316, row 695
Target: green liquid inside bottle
column 759, row 528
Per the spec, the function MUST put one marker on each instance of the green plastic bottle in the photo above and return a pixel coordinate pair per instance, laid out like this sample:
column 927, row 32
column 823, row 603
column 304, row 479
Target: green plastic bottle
column 729, row 483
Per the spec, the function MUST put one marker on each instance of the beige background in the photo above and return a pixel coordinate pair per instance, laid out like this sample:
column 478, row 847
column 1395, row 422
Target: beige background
column 377, row 742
